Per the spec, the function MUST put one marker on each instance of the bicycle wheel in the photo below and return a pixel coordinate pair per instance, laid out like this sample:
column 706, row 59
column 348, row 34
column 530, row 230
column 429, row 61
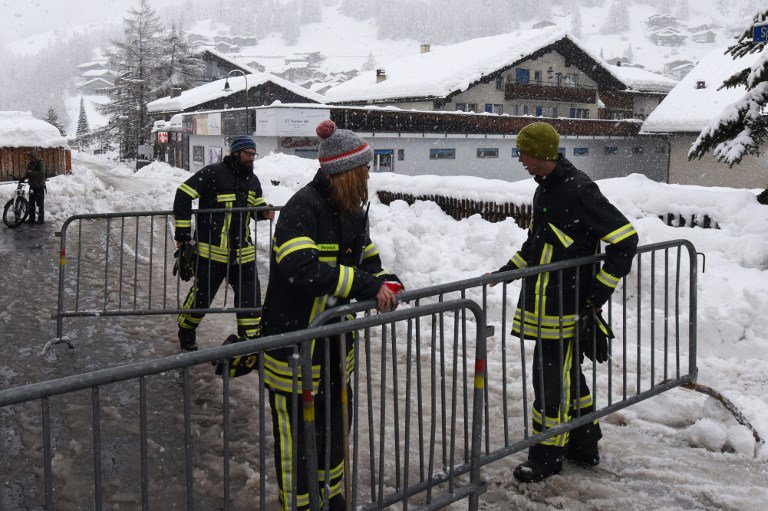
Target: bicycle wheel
column 14, row 215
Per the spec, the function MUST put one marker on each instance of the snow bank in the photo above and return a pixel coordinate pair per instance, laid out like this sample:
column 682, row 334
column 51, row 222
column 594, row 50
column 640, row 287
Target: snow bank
column 21, row 129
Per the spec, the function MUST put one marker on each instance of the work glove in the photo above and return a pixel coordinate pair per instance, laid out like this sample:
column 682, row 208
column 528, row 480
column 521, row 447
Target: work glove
column 184, row 264
column 240, row 365
column 594, row 335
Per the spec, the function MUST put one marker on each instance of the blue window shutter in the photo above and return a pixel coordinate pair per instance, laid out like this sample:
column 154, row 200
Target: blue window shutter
column 538, row 111
column 489, row 107
column 573, row 113
column 522, row 75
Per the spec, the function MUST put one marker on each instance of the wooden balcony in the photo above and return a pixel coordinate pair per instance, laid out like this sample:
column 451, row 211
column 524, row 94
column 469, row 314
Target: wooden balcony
column 546, row 91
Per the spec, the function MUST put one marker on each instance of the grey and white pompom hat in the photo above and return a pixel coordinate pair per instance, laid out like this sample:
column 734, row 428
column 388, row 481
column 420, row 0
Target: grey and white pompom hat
column 341, row 150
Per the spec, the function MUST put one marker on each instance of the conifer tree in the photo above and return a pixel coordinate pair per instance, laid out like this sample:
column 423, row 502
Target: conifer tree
column 576, row 22
column 82, row 121
column 179, row 65
column 741, row 128
column 618, row 18
column 53, row 118
column 135, row 59
column 370, row 63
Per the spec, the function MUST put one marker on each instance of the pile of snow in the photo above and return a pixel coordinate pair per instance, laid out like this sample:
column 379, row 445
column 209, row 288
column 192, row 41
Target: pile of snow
column 21, row 129
column 424, row 246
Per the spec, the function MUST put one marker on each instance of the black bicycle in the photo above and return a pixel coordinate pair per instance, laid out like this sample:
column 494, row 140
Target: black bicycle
column 17, row 209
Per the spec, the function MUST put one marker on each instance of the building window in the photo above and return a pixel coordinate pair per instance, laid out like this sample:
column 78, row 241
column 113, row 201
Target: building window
column 518, row 109
column 462, row 107
column 638, row 149
column 561, row 151
column 487, row 152
column 579, row 113
column 537, row 77
column 515, row 153
column 442, row 154
column 471, row 107
column 400, row 154
column 522, row 75
column 499, row 82
column 493, row 108
column 580, row 151
column 611, row 150
column 546, row 111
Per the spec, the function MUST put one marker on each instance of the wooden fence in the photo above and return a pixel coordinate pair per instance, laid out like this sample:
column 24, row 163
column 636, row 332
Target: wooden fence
column 521, row 213
column 13, row 161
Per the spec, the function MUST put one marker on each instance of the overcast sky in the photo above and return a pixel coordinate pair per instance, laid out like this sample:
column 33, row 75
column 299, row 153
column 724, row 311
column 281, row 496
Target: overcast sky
column 23, row 18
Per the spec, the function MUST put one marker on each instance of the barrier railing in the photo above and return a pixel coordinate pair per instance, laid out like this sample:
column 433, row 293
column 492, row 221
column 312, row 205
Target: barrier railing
column 120, row 264
column 423, row 446
column 648, row 356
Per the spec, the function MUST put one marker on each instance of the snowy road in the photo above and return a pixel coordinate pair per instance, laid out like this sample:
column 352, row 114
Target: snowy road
column 653, row 455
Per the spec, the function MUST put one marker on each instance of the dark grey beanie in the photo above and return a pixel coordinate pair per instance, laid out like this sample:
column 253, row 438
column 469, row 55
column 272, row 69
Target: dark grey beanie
column 341, row 150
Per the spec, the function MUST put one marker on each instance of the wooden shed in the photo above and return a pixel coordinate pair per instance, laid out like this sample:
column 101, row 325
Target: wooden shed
column 20, row 132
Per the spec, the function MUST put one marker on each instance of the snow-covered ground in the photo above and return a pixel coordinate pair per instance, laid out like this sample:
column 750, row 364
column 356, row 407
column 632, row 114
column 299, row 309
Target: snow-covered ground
column 675, row 451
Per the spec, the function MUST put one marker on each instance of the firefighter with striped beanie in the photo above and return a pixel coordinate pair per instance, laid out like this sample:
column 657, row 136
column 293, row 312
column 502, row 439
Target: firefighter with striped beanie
column 321, row 256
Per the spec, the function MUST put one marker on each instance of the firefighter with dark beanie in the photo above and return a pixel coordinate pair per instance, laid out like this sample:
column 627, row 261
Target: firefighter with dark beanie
column 321, row 256
column 571, row 217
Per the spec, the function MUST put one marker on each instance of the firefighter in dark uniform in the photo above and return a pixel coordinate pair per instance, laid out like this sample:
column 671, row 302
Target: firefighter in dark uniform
column 321, row 256
column 570, row 219
column 223, row 247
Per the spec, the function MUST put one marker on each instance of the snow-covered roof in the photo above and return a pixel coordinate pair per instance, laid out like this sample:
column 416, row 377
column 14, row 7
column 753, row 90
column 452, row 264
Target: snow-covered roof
column 228, row 58
column 98, row 72
column 448, row 69
column 641, row 80
column 98, row 81
column 214, row 90
column 91, row 65
column 21, row 129
column 687, row 109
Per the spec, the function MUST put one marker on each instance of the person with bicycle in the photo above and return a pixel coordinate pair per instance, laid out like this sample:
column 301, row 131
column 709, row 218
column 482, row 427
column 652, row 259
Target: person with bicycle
column 36, row 177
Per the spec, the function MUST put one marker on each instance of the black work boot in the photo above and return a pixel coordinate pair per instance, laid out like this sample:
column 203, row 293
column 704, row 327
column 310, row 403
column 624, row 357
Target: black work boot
column 187, row 339
column 533, row 471
column 583, row 455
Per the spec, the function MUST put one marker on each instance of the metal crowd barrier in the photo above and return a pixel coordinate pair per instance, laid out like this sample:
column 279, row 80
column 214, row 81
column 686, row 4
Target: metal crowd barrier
column 426, row 414
column 153, row 459
column 120, row 264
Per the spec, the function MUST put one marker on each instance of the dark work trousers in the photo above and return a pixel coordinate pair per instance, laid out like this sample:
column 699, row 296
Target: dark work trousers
column 208, row 277
column 291, row 463
column 557, row 411
column 37, row 201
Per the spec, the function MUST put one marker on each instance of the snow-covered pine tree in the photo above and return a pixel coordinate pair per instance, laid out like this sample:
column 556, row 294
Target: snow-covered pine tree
column 291, row 26
column 576, row 23
column 135, row 59
column 683, row 11
column 741, row 127
column 370, row 63
column 53, row 118
column 179, row 66
column 618, row 18
column 82, row 121
column 629, row 55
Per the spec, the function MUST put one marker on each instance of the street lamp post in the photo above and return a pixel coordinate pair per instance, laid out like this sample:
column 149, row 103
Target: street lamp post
column 228, row 89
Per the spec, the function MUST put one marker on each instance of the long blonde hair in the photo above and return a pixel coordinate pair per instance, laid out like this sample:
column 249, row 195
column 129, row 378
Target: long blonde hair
column 349, row 190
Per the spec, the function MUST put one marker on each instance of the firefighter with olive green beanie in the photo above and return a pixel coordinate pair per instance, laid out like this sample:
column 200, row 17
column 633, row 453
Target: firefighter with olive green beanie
column 571, row 217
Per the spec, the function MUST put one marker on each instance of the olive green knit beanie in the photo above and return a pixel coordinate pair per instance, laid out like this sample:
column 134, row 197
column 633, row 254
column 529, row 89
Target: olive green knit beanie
column 540, row 140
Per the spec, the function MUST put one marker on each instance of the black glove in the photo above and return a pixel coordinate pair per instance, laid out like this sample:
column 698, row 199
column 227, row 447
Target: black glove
column 595, row 333
column 240, row 365
column 184, row 264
